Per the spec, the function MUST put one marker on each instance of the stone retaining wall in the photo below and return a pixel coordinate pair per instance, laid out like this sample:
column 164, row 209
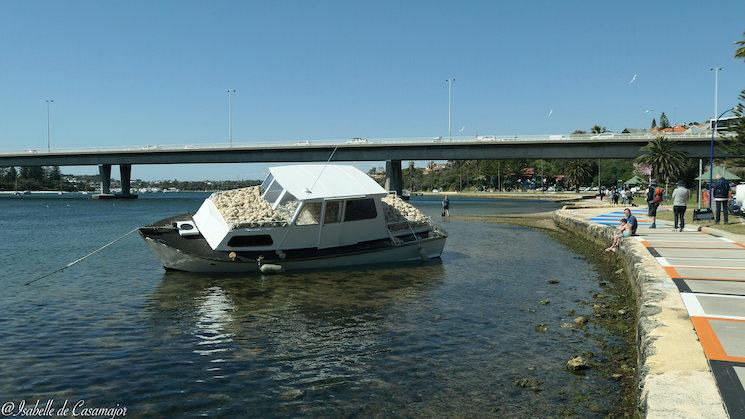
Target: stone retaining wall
column 674, row 375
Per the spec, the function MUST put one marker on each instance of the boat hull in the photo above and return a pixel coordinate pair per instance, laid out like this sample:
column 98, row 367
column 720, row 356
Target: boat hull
column 173, row 258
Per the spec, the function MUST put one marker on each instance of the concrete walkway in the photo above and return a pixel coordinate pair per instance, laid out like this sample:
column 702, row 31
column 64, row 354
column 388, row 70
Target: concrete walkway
column 709, row 272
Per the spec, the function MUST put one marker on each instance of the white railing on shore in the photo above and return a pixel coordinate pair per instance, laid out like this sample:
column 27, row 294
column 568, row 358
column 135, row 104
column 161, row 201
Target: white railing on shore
column 479, row 139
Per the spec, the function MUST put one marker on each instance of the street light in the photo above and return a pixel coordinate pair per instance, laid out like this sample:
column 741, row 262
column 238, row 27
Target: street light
column 49, row 141
column 230, row 117
column 711, row 153
column 450, row 96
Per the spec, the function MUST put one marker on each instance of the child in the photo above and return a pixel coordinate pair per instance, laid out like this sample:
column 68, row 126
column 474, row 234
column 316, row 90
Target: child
column 624, row 230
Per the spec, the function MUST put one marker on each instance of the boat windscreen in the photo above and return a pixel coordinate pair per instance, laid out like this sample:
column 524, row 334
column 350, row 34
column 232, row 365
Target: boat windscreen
column 265, row 184
column 272, row 194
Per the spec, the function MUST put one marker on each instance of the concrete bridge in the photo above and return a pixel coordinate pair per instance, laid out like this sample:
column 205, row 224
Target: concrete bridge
column 392, row 151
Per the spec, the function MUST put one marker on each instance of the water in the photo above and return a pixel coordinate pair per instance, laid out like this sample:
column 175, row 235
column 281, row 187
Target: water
column 448, row 337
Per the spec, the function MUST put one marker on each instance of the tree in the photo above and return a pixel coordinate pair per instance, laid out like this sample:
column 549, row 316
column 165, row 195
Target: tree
column 664, row 122
column 740, row 51
column 737, row 144
column 666, row 161
column 576, row 173
column 654, row 123
column 579, row 131
column 597, row 129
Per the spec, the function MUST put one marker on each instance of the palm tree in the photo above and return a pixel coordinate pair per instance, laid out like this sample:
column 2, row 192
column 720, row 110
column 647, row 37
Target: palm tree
column 666, row 161
column 597, row 129
column 740, row 52
column 576, row 172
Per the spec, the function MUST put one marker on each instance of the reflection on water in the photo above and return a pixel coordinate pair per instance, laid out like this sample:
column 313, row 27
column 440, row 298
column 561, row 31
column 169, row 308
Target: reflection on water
column 449, row 337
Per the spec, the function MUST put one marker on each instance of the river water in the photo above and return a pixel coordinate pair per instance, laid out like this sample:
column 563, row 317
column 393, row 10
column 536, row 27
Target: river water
column 446, row 338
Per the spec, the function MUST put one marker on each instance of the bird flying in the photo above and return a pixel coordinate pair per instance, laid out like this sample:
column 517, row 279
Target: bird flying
column 633, row 79
column 551, row 112
column 462, row 128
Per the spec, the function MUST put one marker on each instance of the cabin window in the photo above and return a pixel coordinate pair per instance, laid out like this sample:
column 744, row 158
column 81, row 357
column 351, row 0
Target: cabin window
column 273, row 192
column 247, row 241
column 333, row 212
column 287, row 197
column 360, row 209
column 265, row 184
column 310, row 214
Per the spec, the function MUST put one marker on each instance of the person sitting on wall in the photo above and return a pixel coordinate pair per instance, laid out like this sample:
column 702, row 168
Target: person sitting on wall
column 624, row 230
column 631, row 220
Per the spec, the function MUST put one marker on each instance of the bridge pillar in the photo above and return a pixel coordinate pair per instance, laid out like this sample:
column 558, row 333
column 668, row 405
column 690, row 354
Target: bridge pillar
column 105, row 171
column 393, row 176
column 125, row 170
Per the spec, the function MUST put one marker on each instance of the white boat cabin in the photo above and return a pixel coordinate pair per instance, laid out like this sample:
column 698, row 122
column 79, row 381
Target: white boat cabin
column 326, row 206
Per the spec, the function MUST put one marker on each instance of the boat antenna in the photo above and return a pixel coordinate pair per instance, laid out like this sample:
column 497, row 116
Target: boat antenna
column 80, row 259
column 308, row 191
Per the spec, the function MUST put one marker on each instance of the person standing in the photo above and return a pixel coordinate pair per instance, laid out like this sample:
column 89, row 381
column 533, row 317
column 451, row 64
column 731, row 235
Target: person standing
column 680, row 202
column 622, row 192
column 651, row 206
column 446, row 207
column 721, row 197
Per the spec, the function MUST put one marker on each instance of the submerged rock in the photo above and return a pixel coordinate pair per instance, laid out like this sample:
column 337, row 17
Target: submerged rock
column 578, row 363
column 529, row 383
column 580, row 320
column 544, row 302
column 541, row 328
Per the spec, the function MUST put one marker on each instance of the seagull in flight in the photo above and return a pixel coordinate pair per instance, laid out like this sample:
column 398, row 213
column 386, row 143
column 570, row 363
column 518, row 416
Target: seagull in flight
column 462, row 128
column 633, row 79
column 648, row 111
column 551, row 112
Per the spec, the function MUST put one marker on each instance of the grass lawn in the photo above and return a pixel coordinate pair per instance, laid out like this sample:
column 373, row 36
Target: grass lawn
column 735, row 225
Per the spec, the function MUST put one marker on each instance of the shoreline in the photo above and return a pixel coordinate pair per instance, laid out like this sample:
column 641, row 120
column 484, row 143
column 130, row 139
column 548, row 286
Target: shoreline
column 544, row 196
column 674, row 377
column 613, row 309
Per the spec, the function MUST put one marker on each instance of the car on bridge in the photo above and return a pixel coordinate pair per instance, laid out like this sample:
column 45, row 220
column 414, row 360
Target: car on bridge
column 603, row 136
column 357, row 140
column 305, row 143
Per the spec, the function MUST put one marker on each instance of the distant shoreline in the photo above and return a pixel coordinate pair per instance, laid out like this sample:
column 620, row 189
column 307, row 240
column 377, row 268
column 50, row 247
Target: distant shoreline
column 545, row 196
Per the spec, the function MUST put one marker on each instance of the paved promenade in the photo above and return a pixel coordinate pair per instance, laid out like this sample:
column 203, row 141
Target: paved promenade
column 709, row 272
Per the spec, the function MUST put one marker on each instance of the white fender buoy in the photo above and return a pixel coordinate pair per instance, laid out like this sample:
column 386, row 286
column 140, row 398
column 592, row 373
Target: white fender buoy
column 270, row 268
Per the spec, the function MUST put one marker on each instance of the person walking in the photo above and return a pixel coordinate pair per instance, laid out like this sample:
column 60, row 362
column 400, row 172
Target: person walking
column 721, row 197
column 446, row 207
column 623, row 196
column 651, row 206
column 680, row 202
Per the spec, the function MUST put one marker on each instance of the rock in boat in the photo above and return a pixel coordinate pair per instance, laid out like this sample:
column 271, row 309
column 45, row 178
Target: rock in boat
column 300, row 217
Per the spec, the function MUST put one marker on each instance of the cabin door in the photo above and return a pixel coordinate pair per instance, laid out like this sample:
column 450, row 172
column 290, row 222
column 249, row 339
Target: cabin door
column 330, row 233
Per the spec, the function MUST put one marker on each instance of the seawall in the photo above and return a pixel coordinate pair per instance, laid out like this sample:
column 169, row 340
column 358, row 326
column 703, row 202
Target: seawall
column 673, row 373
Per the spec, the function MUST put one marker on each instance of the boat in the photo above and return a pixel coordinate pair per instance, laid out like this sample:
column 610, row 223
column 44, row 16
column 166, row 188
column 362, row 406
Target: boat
column 301, row 217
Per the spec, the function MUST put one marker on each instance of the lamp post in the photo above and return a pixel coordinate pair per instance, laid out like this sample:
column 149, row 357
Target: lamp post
column 49, row 137
column 450, row 96
column 230, row 116
column 711, row 153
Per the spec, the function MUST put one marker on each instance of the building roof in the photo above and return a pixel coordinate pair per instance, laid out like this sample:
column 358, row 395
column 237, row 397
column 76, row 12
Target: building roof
column 719, row 170
column 318, row 181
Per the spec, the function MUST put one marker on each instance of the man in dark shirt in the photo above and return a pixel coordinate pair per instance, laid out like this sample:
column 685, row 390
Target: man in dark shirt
column 631, row 220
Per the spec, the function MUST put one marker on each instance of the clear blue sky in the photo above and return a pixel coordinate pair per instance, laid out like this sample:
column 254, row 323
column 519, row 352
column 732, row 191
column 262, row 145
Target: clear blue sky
column 156, row 72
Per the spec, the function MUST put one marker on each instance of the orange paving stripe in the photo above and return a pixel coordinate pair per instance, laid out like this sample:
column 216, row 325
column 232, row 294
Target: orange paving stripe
column 732, row 268
column 644, row 243
column 672, row 272
column 738, row 244
column 713, row 279
column 709, row 340
column 696, row 248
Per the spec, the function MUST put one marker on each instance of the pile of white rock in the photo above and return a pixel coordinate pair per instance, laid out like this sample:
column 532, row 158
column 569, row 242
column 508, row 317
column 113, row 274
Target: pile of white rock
column 245, row 207
column 399, row 211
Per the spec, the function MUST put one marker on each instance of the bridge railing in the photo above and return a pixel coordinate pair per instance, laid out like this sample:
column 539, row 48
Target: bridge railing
column 368, row 141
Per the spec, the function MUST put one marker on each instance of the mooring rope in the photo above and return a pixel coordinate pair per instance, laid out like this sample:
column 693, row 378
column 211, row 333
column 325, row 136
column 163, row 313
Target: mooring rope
column 80, row 259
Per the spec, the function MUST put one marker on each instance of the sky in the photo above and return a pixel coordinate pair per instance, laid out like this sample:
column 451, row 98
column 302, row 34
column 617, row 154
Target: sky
column 157, row 72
